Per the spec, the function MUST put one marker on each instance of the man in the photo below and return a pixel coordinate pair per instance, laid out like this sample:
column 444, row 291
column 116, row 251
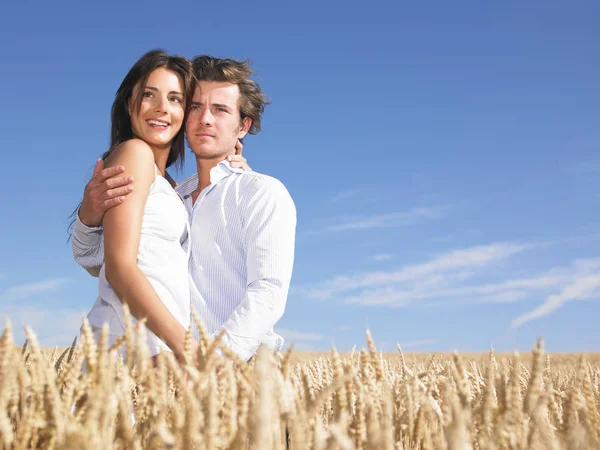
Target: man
column 242, row 223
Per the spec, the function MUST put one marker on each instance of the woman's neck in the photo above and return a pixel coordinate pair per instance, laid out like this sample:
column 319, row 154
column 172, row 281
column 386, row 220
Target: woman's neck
column 160, row 158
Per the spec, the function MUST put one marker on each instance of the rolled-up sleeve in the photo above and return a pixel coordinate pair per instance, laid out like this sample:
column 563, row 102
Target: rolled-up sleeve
column 87, row 244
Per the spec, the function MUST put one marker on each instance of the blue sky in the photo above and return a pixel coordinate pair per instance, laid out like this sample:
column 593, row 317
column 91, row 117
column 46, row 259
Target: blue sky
column 443, row 157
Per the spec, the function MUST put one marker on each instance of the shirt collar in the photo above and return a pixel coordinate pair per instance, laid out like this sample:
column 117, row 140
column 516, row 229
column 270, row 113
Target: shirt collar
column 217, row 173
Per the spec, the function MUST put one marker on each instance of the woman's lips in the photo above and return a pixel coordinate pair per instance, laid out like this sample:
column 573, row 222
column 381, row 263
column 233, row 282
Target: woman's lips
column 157, row 124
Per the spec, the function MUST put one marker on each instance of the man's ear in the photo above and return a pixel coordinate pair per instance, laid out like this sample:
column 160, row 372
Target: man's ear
column 246, row 124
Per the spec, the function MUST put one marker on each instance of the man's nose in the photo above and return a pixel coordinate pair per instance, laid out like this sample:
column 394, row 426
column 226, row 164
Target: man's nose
column 206, row 117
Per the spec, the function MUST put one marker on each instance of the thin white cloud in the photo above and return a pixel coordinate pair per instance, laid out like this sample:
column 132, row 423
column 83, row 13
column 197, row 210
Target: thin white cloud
column 290, row 335
column 23, row 291
column 381, row 257
column 578, row 281
column 455, row 276
column 395, row 219
column 440, row 271
column 444, row 287
column 53, row 326
column 582, row 288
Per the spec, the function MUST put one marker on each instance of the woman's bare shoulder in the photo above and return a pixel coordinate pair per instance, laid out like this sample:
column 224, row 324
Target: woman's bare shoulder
column 135, row 149
column 136, row 157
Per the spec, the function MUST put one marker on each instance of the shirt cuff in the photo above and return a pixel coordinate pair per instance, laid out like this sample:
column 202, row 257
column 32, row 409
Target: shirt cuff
column 86, row 235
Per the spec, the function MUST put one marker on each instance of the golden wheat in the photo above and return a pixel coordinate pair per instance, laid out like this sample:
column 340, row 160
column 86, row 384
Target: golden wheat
column 87, row 397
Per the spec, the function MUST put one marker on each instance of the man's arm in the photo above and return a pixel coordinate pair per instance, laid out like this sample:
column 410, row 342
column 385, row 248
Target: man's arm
column 269, row 238
column 88, row 247
column 106, row 189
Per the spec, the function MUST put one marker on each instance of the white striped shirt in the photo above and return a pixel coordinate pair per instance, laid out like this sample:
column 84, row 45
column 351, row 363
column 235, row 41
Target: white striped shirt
column 242, row 252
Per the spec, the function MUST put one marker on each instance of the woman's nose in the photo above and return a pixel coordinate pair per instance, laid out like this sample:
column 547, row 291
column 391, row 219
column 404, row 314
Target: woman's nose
column 161, row 105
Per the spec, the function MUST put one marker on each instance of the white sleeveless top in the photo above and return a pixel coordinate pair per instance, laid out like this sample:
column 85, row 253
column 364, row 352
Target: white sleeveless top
column 161, row 257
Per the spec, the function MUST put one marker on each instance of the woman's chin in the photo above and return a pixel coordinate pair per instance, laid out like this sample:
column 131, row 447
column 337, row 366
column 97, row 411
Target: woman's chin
column 159, row 142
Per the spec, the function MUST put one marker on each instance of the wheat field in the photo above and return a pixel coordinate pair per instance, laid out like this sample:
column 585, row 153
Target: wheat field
column 358, row 400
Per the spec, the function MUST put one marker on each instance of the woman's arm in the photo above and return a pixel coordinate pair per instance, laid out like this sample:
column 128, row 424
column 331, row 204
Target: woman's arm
column 105, row 190
column 122, row 226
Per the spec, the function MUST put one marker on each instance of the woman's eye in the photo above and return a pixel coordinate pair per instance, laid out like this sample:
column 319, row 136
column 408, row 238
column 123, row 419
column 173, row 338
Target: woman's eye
column 147, row 94
column 176, row 99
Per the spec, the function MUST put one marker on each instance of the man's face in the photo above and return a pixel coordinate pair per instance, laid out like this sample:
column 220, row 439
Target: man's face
column 213, row 125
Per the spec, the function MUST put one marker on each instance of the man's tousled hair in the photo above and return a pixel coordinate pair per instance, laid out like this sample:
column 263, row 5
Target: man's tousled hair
column 252, row 100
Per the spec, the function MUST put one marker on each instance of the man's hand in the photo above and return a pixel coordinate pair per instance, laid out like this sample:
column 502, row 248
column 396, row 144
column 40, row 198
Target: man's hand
column 105, row 190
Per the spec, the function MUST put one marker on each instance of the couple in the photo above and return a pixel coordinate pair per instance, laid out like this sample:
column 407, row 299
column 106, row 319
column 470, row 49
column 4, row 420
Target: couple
column 222, row 242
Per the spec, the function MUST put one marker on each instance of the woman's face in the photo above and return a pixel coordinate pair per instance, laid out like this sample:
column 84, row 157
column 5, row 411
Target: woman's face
column 160, row 115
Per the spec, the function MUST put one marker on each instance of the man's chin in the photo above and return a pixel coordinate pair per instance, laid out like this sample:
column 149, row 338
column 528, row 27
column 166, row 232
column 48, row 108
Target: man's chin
column 202, row 150
column 208, row 153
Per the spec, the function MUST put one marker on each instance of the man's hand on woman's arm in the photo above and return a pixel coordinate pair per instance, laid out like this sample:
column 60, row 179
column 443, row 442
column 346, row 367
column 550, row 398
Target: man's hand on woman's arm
column 106, row 189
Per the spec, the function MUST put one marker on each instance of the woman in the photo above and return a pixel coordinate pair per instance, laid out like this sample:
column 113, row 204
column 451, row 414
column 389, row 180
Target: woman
column 145, row 264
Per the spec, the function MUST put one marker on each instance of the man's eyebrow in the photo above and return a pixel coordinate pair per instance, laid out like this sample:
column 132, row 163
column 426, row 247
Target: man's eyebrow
column 152, row 88
column 218, row 105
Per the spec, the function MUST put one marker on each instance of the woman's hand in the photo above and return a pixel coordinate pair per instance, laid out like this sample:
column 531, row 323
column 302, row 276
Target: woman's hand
column 179, row 354
column 237, row 160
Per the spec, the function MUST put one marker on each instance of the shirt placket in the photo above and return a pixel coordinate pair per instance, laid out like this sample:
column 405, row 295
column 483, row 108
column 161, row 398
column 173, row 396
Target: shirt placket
column 203, row 195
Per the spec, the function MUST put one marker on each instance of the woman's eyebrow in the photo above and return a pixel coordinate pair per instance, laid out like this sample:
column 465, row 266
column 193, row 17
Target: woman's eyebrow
column 152, row 88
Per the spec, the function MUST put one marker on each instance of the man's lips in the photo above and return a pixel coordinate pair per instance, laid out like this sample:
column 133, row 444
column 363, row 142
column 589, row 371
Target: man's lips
column 204, row 135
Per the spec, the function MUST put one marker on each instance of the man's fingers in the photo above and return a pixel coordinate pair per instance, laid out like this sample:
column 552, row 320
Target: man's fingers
column 113, row 202
column 110, row 172
column 118, row 192
column 98, row 167
column 115, row 182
